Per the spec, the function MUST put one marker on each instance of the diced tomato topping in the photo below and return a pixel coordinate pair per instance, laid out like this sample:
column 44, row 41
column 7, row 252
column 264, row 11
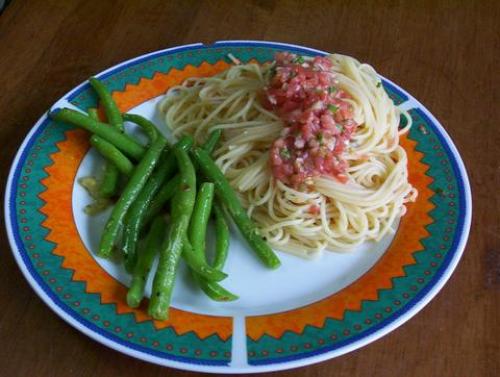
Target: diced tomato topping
column 318, row 120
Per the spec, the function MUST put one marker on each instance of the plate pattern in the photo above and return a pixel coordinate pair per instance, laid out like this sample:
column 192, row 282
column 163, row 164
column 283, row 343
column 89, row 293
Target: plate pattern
column 41, row 219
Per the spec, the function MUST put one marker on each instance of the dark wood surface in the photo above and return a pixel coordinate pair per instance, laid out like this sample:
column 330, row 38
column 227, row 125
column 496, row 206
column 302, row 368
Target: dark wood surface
column 446, row 53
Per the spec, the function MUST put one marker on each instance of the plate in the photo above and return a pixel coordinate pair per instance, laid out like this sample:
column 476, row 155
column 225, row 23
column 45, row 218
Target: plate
column 302, row 313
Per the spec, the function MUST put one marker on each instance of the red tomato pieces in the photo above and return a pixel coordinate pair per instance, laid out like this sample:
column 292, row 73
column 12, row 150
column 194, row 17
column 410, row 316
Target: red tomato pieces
column 318, row 120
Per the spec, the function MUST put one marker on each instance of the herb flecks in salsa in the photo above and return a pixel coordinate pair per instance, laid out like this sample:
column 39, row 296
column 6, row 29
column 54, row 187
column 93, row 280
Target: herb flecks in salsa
column 318, row 120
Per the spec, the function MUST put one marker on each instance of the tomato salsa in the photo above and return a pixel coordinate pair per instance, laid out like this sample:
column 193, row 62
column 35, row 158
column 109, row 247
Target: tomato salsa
column 318, row 120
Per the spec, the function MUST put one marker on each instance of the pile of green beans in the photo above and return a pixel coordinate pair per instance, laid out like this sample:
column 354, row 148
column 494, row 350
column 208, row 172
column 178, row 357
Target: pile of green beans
column 143, row 181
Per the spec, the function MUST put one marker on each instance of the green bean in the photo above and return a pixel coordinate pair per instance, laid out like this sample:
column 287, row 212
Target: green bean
column 145, row 259
column 93, row 113
column 113, row 114
column 134, row 220
column 209, row 146
column 221, row 227
column 109, row 183
column 139, row 177
column 197, row 233
column 148, row 126
column 201, row 213
column 198, row 264
column 212, row 141
column 214, row 290
column 221, row 238
column 161, row 198
column 210, row 287
column 194, row 246
column 228, row 197
column 166, row 191
column 182, row 207
column 112, row 155
column 122, row 141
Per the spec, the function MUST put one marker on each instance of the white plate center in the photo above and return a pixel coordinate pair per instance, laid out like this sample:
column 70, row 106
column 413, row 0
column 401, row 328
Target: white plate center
column 296, row 283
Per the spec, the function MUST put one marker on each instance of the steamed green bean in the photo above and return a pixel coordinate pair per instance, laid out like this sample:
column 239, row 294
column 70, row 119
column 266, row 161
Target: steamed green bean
column 228, row 197
column 182, row 208
column 141, row 174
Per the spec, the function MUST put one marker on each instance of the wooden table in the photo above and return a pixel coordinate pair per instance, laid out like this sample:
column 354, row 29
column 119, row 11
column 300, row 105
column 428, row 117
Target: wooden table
column 446, row 55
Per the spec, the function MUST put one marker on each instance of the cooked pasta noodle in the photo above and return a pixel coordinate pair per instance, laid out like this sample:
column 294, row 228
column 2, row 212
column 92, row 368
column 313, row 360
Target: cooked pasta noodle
column 362, row 209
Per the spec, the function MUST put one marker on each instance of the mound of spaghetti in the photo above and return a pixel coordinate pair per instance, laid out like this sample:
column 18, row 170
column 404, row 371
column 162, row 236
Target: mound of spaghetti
column 311, row 145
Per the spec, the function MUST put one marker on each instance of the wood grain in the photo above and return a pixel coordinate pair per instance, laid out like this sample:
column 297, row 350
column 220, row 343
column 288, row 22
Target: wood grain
column 446, row 53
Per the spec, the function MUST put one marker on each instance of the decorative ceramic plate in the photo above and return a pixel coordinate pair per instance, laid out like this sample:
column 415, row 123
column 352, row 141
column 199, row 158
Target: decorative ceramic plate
column 302, row 313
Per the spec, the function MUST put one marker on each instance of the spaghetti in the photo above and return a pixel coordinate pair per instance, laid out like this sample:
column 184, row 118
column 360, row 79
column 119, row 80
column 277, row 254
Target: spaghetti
column 323, row 212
